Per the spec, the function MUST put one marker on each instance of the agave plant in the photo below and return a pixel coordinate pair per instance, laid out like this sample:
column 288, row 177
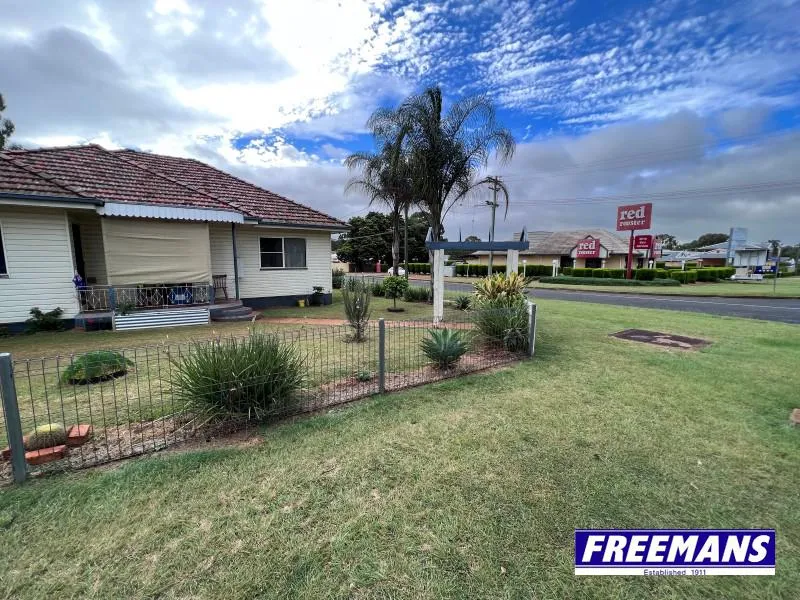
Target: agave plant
column 462, row 302
column 444, row 347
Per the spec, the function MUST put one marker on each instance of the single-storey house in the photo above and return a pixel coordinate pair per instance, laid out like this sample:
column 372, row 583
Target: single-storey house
column 547, row 246
column 750, row 255
column 94, row 231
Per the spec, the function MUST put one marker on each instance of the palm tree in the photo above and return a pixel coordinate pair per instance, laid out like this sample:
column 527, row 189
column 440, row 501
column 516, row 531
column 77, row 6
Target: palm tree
column 447, row 151
column 385, row 176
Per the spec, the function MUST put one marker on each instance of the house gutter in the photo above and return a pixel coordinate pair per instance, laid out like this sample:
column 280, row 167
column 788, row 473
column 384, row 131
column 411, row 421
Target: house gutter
column 333, row 228
column 48, row 198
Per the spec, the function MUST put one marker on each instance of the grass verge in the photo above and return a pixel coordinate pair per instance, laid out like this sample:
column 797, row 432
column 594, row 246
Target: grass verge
column 470, row 488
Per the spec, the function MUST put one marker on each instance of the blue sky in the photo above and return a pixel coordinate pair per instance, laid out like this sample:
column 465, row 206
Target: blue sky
column 606, row 99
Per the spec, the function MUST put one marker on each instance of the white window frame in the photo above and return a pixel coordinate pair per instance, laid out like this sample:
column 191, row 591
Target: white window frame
column 282, row 238
column 4, row 251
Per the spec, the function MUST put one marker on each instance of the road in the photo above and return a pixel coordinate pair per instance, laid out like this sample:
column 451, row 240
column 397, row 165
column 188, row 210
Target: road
column 768, row 309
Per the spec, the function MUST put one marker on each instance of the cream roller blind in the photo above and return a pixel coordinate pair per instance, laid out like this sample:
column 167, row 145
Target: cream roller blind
column 153, row 251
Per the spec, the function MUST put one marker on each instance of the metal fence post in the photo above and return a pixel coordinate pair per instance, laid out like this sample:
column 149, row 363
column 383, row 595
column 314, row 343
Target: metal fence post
column 13, row 424
column 381, row 356
column 531, row 328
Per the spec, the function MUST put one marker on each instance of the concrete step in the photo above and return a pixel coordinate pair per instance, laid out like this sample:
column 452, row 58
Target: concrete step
column 231, row 318
column 230, row 312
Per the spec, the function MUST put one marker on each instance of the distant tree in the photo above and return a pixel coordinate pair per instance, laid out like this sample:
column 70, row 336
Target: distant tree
column 707, row 239
column 6, row 126
column 368, row 240
column 417, row 231
column 774, row 245
column 668, row 242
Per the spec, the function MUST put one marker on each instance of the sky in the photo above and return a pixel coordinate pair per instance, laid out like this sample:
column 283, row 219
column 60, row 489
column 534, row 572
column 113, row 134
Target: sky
column 692, row 105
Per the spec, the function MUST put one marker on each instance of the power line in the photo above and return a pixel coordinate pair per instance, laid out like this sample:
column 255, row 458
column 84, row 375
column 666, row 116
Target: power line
column 690, row 193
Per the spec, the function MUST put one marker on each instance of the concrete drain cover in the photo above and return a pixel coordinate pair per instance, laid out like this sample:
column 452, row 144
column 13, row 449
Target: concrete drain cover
column 665, row 340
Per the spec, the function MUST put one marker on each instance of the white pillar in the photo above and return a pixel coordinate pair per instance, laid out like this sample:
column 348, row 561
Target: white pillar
column 438, row 286
column 512, row 261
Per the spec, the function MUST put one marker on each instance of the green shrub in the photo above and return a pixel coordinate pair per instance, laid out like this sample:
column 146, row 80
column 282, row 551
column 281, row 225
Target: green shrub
column 444, row 347
column 535, row 270
column 46, row 436
column 394, row 287
column 581, row 272
column 98, row 365
column 419, row 268
column 377, row 289
column 497, row 269
column 45, row 321
column 355, row 297
column 645, row 274
column 502, row 319
column 501, row 286
column 255, row 377
column 691, row 265
column 660, row 264
column 684, row 276
column 417, row 293
column 617, row 273
column 364, row 376
column 600, row 273
column 565, row 271
column 337, row 279
column 609, row 282
column 462, row 302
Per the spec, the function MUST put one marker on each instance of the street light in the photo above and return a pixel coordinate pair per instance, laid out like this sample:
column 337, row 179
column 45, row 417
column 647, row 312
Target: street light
column 524, row 267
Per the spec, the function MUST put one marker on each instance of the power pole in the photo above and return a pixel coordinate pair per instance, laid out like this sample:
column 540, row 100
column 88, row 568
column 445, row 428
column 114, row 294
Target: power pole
column 494, row 185
column 405, row 240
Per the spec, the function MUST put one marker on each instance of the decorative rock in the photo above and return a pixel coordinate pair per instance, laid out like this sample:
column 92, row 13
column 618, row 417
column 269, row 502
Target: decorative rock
column 794, row 418
column 46, row 455
column 79, row 434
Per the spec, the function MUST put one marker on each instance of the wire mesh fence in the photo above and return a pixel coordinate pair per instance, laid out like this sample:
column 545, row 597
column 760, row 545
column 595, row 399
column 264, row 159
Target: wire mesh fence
column 105, row 405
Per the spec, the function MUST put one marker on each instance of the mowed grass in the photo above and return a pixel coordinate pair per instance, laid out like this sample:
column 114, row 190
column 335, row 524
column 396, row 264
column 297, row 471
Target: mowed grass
column 786, row 287
column 468, row 488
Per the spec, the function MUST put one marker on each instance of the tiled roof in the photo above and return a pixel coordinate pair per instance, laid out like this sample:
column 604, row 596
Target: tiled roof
column 15, row 179
column 561, row 243
column 247, row 197
column 95, row 172
column 143, row 178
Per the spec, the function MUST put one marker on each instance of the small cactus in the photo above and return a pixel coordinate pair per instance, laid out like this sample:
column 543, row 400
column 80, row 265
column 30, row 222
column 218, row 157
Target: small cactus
column 46, row 436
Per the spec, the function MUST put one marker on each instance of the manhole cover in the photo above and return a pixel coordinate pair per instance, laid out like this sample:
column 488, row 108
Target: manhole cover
column 665, row 340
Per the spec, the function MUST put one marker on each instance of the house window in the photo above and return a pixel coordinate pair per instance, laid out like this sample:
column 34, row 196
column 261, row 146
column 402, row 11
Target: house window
column 3, row 264
column 283, row 253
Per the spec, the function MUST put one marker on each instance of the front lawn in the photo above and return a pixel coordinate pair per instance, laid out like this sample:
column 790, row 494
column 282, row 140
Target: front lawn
column 469, row 488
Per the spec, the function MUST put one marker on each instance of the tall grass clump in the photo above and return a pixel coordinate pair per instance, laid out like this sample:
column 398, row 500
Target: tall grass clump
column 355, row 297
column 254, row 377
column 500, row 310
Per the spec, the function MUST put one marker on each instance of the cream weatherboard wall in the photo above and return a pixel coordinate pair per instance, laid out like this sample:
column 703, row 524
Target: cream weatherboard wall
column 255, row 282
column 39, row 263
